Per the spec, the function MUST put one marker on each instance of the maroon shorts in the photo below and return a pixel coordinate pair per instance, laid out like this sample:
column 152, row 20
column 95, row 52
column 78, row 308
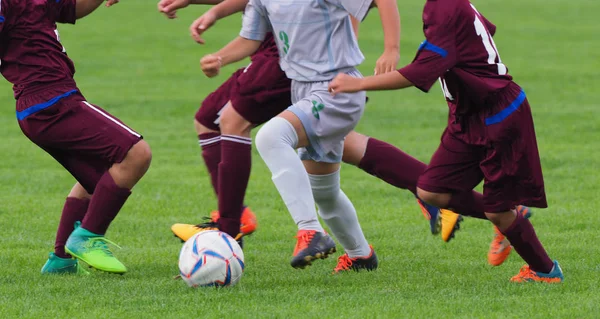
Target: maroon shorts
column 258, row 93
column 82, row 137
column 508, row 162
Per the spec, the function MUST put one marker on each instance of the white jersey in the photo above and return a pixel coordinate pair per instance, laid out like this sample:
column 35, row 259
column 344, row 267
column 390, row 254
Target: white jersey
column 314, row 37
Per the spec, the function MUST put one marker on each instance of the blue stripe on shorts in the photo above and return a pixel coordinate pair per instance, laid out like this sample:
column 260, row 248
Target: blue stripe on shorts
column 506, row 112
column 38, row 107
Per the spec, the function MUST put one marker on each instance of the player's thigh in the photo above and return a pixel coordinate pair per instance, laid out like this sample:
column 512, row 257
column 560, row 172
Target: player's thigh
column 209, row 113
column 454, row 167
column 77, row 129
column 355, row 146
column 512, row 169
column 325, row 119
column 87, row 171
column 262, row 91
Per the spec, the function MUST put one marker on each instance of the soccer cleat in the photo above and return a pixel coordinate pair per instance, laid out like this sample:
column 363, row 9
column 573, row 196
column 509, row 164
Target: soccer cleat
column 311, row 245
column 500, row 247
column 441, row 220
column 186, row 231
column 345, row 263
column 450, row 222
column 528, row 275
column 247, row 221
column 58, row 265
column 93, row 250
column 432, row 214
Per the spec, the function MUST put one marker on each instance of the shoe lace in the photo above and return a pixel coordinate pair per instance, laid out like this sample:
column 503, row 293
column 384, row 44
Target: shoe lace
column 526, row 273
column 208, row 223
column 304, row 238
column 344, row 263
column 101, row 243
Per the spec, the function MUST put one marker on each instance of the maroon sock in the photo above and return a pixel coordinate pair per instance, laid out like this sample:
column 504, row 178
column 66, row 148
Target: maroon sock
column 522, row 237
column 73, row 211
column 211, row 153
column 106, row 203
column 468, row 204
column 234, row 173
column 390, row 164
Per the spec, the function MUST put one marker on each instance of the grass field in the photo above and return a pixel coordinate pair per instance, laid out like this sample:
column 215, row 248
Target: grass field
column 144, row 69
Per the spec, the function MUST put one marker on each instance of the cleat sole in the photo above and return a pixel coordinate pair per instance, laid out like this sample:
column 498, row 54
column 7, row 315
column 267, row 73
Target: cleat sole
column 307, row 260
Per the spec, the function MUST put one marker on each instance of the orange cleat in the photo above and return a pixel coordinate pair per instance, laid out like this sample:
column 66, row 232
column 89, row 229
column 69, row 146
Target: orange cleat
column 311, row 245
column 528, row 275
column 368, row 263
column 186, row 231
column 500, row 247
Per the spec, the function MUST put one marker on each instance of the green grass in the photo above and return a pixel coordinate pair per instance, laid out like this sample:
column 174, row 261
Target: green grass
column 144, row 69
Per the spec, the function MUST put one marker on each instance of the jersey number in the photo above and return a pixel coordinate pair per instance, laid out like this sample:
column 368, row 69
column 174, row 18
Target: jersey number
column 488, row 43
column 286, row 41
column 58, row 38
column 490, row 47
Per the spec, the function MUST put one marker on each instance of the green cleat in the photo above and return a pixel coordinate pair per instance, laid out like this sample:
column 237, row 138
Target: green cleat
column 57, row 265
column 93, row 250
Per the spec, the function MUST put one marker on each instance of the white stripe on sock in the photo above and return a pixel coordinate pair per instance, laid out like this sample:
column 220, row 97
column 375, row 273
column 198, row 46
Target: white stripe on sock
column 209, row 140
column 237, row 139
column 112, row 119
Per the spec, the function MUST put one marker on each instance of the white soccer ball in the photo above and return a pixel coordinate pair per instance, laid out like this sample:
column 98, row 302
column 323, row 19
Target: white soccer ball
column 211, row 259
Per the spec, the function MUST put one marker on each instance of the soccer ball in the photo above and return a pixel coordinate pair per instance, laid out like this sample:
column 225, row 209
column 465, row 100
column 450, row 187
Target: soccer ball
column 211, row 259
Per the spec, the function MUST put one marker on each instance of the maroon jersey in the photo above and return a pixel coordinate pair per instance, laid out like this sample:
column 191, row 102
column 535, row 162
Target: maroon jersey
column 268, row 47
column 30, row 51
column 459, row 50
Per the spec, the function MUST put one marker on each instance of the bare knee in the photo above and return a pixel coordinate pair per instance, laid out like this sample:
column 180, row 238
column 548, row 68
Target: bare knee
column 79, row 192
column 201, row 129
column 502, row 220
column 355, row 146
column 232, row 123
column 139, row 156
column 436, row 199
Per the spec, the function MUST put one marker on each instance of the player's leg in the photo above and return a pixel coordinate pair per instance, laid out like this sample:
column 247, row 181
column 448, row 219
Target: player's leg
column 276, row 142
column 87, row 242
column 401, row 170
column 338, row 212
column 104, row 155
column 451, row 175
column 234, row 171
column 317, row 124
column 210, row 143
column 513, row 175
column 207, row 122
column 73, row 212
column 260, row 92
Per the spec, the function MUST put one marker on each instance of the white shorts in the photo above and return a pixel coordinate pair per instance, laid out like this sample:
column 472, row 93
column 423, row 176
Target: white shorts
column 326, row 119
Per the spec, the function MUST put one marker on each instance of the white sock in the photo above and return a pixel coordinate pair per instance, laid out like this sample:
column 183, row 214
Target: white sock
column 339, row 214
column 276, row 142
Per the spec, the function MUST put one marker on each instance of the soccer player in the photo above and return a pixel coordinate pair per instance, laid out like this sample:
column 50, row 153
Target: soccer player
column 106, row 157
column 490, row 133
column 308, row 34
column 376, row 157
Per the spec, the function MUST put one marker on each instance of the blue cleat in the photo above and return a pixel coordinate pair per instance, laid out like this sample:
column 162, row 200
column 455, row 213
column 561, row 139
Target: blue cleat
column 57, row 265
column 432, row 214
